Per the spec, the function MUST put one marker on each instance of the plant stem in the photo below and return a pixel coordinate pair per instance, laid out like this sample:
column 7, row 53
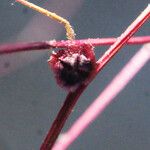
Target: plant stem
column 29, row 46
column 61, row 118
column 100, row 41
column 19, row 47
column 73, row 97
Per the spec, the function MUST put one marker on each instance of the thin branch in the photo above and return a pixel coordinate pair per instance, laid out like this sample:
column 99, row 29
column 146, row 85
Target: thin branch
column 19, row 47
column 100, row 41
column 105, row 98
column 73, row 97
column 69, row 30
column 29, row 46
column 61, row 118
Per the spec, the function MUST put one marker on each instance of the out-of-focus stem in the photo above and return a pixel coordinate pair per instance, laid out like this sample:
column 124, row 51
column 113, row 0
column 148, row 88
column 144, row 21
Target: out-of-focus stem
column 20, row 47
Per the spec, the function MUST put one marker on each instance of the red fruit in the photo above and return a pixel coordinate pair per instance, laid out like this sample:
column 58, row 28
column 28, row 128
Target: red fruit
column 73, row 65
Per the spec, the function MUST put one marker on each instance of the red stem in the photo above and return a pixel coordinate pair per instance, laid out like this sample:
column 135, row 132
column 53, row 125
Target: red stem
column 19, row 47
column 100, row 41
column 29, row 46
column 73, row 97
column 61, row 118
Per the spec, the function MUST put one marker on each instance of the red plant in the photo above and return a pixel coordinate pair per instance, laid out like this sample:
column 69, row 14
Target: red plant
column 84, row 51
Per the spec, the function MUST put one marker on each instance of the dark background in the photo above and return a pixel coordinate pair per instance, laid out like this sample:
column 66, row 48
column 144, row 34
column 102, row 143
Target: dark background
column 30, row 98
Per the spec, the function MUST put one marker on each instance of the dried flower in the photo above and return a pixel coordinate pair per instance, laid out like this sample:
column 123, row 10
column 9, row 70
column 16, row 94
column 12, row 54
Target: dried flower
column 72, row 66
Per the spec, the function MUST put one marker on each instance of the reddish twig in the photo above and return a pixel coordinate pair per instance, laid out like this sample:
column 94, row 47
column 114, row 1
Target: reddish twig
column 61, row 118
column 105, row 98
column 101, row 41
column 73, row 96
column 19, row 47
column 29, row 46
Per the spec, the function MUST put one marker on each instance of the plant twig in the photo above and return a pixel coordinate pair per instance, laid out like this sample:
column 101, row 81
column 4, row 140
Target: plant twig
column 19, row 47
column 49, row 141
column 29, row 46
column 61, row 118
column 100, row 41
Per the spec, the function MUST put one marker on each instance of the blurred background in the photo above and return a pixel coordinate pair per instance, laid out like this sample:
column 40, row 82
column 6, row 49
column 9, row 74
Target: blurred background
column 30, row 97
